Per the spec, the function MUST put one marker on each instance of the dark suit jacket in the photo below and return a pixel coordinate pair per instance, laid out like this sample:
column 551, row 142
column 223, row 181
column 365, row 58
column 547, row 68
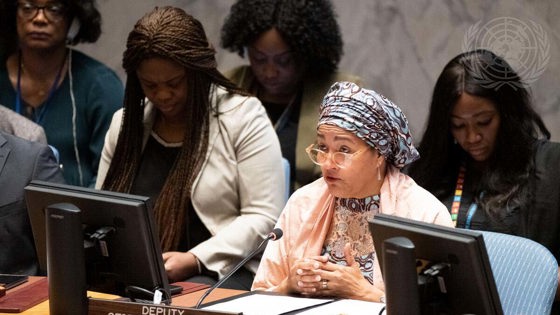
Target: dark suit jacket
column 20, row 162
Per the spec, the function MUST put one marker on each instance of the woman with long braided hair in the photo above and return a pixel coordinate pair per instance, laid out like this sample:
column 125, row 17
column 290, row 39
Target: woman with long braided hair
column 203, row 150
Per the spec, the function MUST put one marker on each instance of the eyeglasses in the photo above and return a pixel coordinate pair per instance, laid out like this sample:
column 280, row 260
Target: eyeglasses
column 340, row 159
column 54, row 12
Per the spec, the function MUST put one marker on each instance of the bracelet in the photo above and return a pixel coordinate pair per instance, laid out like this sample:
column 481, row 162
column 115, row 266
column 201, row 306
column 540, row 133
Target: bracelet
column 198, row 265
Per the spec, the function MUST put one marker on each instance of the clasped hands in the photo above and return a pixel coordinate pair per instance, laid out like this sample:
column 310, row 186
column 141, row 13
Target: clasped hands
column 316, row 276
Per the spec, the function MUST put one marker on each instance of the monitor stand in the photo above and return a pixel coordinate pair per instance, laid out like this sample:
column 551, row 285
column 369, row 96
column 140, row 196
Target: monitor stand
column 65, row 260
column 401, row 280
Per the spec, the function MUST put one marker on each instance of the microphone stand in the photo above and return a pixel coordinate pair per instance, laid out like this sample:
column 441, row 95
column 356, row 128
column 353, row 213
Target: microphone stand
column 274, row 235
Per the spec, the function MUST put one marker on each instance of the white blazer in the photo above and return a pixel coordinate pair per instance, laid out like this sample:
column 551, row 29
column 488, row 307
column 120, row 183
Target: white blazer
column 239, row 191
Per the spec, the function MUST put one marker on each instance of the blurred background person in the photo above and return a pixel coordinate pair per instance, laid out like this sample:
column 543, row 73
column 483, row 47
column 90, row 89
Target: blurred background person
column 486, row 154
column 202, row 149
column 362, row 142
column 293, row 48
column 69, row 94
column 21, row 161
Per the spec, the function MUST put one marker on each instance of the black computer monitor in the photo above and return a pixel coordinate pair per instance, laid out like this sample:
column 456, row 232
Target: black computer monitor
column 439, row 269
column 120, row 241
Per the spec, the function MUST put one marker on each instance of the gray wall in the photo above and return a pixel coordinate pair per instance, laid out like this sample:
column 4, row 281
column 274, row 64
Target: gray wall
column 397, row 46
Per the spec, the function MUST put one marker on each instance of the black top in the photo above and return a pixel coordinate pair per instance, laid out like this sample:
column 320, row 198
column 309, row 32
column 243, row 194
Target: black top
column 157, row 160
column 541, row 222
column 286, row 130
column 472, row 216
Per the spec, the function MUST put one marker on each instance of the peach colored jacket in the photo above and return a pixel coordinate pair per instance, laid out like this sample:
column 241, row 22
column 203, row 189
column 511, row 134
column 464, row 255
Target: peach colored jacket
column 308, row 214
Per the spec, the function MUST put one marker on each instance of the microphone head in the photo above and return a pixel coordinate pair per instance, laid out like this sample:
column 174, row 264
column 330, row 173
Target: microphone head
column 276, row 234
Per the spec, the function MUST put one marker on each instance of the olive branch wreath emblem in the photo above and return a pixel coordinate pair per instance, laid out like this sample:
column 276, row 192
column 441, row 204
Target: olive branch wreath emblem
column 534, row 33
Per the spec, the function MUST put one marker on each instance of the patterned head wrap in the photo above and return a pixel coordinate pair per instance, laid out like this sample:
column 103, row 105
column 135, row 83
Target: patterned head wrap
column 371, row 117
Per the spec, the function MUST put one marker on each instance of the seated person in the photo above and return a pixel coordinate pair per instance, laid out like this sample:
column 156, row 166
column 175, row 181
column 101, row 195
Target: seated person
column 327, row 250
column 202, row 149
column 42, row 77
column 294, row 49
column 21, row 161
column 486, row 152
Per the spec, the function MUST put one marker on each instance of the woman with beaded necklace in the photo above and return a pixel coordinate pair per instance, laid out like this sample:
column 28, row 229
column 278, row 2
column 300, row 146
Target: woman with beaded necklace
column 486, row 152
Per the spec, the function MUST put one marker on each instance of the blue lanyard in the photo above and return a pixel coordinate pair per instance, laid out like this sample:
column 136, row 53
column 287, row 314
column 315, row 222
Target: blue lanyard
column 44, row 107
column 470, row 214
column 472, row 211
column 456, row 204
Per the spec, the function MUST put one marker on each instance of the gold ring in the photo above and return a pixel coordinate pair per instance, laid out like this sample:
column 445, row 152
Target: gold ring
column 325, row 283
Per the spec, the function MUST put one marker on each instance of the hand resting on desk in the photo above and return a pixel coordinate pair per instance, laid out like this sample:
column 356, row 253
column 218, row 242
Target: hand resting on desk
column 315, row 276
column 180, row 265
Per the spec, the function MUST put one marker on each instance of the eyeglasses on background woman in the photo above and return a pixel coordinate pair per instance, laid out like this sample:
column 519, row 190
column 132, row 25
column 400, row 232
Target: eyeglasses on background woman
column 53, row 11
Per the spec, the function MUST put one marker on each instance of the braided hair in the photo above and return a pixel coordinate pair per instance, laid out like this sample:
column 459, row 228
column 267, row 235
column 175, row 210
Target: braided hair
column 169, row 33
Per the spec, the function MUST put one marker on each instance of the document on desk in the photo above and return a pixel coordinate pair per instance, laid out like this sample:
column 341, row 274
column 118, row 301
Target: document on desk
column 346, row 307
column 265, row 304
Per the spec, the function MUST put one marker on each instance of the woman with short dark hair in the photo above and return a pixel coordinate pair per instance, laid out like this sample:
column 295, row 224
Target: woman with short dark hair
column 294, row 48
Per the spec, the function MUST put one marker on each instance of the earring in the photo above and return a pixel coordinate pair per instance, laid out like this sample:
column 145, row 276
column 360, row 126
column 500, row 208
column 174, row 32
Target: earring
column 378, row 174
column 454, row 141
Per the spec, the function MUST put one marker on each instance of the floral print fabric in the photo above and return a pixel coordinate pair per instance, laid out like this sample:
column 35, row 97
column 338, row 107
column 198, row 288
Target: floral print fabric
column 350, row 225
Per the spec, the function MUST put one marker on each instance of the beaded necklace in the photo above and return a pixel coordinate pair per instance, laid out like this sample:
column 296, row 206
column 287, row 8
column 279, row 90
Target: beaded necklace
column 456, row 205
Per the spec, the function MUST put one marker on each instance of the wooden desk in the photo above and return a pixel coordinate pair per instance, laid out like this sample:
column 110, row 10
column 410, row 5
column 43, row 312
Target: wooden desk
column 190, row 300
column 187, row 300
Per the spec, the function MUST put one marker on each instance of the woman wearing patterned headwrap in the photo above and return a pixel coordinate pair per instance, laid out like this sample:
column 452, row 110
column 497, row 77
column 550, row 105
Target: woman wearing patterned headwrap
column 204, row 152
column 327, row 250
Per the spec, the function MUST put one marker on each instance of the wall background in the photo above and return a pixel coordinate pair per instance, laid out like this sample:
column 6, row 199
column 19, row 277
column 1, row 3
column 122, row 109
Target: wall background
column 398, row 47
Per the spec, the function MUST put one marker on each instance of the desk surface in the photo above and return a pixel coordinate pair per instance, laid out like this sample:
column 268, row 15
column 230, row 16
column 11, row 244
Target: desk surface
column 187, row 300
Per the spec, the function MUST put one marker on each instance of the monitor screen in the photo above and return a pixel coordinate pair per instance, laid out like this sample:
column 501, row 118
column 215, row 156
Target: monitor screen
column 121, row 244
column 452, row 272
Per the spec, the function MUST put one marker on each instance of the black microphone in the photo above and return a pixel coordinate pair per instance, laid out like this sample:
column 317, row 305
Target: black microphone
column 275, row 235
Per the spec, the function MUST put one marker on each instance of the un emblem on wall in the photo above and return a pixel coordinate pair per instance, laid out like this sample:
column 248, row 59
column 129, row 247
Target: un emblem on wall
column 525, row 46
